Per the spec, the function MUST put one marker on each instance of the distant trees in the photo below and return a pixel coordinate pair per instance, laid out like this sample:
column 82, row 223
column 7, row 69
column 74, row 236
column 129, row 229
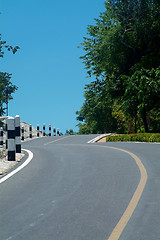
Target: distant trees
column 6, row 86
column 122, row 53
column 70, row 132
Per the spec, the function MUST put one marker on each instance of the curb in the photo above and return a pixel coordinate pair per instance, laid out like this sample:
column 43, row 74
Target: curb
column 27, row 161
column 96, row 139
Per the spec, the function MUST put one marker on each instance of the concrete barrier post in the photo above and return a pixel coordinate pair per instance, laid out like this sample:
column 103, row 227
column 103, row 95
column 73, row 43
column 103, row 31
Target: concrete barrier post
column 30, row 131
column 11, row 139
column 17, row 134
column 44, row 131
column 22, row 133
column 6, row 128
column 54, row 131
column 1, row 137
column 58, row 131
column 49, row 129
column 37, row 130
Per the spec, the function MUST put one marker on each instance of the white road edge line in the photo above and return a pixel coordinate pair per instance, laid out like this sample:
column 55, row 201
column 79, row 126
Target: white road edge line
column 107, row 134
column 30, row 156
column 98, row 138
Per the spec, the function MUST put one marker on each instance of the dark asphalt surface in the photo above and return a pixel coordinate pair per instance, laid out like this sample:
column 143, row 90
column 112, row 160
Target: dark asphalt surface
column 72, row 190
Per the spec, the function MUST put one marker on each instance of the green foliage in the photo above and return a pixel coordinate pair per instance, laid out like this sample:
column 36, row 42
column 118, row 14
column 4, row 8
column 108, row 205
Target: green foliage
column 155, row 120
column 70, row 132
column 122, row 52
column 142, row 93
column 139, row 137
column 6, row 87
column 120, row 118
column 3, row 46
column 96, row 112
column 83, row 128
column 6, row 90
column 125, row 37
column 142, row 90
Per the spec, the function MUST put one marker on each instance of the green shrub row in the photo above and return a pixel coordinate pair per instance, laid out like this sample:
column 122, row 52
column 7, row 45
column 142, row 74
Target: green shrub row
column 138, row 137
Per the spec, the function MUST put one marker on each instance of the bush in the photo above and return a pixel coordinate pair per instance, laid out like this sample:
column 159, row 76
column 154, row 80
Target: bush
column 139, row 137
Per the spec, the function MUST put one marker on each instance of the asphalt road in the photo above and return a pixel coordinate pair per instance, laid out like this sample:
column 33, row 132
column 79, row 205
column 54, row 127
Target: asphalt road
column 72, row 190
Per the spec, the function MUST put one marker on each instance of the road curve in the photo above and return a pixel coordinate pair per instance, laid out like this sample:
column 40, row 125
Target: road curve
column 74, row 190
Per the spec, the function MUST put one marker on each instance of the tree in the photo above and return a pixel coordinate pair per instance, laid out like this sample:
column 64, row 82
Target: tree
column 121, row 49
column 142, row 93
column 125, row 37
column 70, row 132
column 6, row 90
column 96, row 112
column 6, row 87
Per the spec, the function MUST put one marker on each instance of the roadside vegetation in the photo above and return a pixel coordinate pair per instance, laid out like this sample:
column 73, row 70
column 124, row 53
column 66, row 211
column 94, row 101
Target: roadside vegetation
column 121, row 57
column 139, row 137
column 7, row 88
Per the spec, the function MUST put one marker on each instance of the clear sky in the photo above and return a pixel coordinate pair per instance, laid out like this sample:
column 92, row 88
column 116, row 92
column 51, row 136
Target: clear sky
column 47, row 69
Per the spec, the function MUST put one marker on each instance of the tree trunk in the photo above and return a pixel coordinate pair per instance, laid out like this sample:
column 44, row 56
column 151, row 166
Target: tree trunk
column 144, row 117
column 135, row 127
column 148, row 121
column 130, row 125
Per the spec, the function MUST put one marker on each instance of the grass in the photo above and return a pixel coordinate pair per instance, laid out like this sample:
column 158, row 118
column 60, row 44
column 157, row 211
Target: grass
column 137, row 137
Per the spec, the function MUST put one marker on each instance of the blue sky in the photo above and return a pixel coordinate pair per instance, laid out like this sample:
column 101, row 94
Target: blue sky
column 47, row 69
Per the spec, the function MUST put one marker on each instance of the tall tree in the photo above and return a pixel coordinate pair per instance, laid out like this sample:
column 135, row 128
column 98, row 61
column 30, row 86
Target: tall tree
column 142, row 93
column 124, row 40
column 126, row 36
column 96, row 112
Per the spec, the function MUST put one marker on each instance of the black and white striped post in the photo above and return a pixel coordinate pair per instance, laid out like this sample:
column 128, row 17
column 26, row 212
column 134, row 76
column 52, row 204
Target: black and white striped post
column 6, row 135
column 22, row 133
column 11, row 139
column 30, row 131
column 17, row 134
column 44, row 130
column 1, row 137
column 54, row 131
column 49, row 130
column 37, row 130
column 58, row 131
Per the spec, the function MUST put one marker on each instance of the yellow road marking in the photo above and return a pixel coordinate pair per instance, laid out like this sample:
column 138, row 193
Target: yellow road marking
column 117, row 231
column 59, row 139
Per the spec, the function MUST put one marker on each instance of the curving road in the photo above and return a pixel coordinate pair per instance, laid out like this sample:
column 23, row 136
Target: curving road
column 72, row 190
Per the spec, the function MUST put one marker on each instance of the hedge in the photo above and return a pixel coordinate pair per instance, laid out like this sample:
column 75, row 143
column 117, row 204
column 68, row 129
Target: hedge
column 138, row 137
